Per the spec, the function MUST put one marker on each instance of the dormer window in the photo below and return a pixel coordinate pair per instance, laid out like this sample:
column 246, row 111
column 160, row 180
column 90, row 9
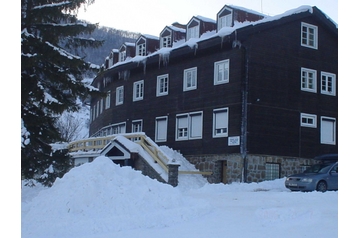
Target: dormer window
column 193, row 29
column 225, row 21
column 166, row 39
column 122, row 56
column 141, row 47
column 225, row 18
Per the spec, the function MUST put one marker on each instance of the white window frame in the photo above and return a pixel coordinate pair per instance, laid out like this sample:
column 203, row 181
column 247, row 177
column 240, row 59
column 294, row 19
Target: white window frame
column 141, row 49
column 119, row 95
column 225, row 21
column 119, row 128
column 221, row 72
column 308, row 120
column 138, row 90
column 190, row 75
column 309, row 35
column 328, row 83
column 101, row 106
column 161, row 129
column 137, row 126
column 108, row 100
column 332, row 133
column 193, row 32
column 165, row 41
column 220, row 129
column 191, row 127
column 122, row 56
column 162, row 85
column 308, row 80
column 97, row 109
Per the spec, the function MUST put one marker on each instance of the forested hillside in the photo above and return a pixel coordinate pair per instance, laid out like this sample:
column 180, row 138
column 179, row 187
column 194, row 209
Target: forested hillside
column 113, row 39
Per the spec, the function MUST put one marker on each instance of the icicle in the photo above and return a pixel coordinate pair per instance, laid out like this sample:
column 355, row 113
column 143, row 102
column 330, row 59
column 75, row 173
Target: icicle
column 126, row 74
column 164, row 57
column 195, row 48
column 144, row 62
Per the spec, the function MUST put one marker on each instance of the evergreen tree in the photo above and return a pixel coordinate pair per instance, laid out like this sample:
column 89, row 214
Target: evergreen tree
column 51, row 80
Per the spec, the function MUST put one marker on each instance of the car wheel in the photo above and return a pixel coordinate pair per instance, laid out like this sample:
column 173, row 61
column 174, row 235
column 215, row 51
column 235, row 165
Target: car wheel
column 322, row 186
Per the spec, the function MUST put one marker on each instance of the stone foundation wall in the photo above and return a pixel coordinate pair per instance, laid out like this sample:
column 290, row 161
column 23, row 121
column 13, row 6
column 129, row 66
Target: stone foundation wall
column 216, row 164
column 255, row 165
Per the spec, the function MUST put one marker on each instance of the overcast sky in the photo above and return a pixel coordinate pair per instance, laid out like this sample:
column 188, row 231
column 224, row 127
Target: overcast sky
column 151, row 16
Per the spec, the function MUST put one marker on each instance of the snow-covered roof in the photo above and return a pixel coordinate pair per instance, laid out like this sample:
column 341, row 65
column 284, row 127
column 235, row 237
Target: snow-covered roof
column 246, row 10
column 151, row 37
column 221, row 33
column 205, row 19
column 174, row 28
column 129, row 44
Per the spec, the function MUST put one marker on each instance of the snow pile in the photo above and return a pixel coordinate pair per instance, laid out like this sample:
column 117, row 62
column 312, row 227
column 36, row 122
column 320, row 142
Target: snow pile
column 101, row 197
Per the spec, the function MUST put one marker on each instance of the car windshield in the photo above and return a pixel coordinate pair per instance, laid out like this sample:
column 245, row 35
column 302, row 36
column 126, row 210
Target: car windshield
column 318, row 168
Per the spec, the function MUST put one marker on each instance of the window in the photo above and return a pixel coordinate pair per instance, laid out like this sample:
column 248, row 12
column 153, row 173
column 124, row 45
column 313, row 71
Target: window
column 328, row 84
column 308, row 80
column 309, row 35
column 161, row 126
column 220, row 122
column 328, row 130
column 165, row 41
column 225, row 21
column 136, row 127
column 308, row 120
column 141, row 49
column 108, row 99
column 189, row 82
column 162, row 85
column 97, row 109
column 221, row 72
column 193, row 32
column 189, row 126
column 122, row 56
column 101, row 106
column 272, row 171
column 119, row 128
column 138, row 90
column 119, row 95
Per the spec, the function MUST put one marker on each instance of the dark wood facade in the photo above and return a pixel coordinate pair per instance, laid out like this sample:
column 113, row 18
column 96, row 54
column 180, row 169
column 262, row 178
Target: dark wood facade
column 263, row 95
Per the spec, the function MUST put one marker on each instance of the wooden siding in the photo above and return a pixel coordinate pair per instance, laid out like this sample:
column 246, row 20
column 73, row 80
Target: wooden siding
column 275, row 96
column 275, row 99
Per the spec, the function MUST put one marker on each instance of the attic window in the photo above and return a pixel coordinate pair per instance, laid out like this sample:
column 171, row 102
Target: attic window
column 193, row 30
column 309, row 35
column 225, row 21
column 141, row 49
column 165, row 41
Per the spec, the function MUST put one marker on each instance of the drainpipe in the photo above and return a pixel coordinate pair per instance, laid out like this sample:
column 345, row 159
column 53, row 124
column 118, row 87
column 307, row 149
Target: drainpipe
column 244, row 99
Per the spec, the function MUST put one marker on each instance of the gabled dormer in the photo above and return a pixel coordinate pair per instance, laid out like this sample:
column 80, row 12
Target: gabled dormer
column 170, row 35
column 198, row 25
column 113, row 57
column 146, row 44
column 127, row 50
column 229, row 14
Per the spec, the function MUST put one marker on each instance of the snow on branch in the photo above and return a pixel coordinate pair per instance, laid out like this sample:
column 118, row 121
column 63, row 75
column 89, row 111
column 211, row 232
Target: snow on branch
column 52, row 5
column 63, row 52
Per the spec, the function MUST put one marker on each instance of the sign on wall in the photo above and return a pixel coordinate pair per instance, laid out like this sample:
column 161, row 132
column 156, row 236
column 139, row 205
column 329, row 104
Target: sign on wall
column 233, row 140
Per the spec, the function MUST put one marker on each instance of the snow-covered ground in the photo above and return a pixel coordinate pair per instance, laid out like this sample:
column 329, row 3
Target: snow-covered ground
column 103, row 200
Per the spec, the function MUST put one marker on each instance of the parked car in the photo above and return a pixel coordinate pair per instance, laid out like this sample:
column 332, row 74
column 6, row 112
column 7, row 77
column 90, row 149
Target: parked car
column 321, row 177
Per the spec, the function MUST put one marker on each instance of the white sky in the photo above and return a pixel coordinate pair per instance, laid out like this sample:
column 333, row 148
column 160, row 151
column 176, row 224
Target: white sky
column 150, row 17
